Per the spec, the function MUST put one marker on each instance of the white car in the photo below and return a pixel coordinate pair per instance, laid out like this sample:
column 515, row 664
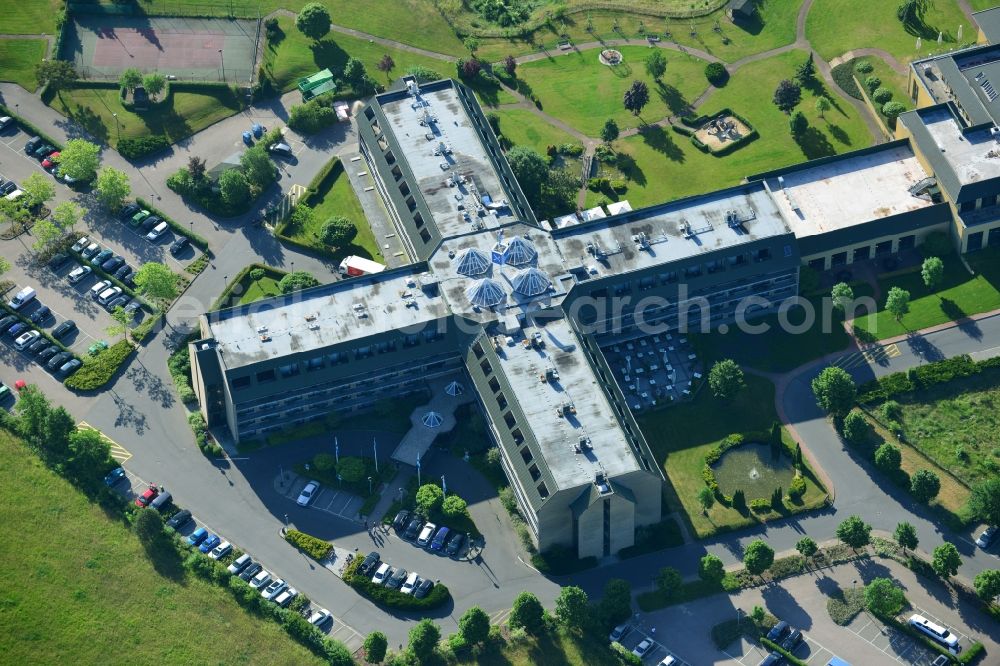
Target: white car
column 642, row 648
column 986, row 538
column 668, row 661
column 79, row 245
column 307, row 493
column 618, row 632
column 319, row 617
column 380, row 574
column 221, row 550
column 109, row 295
column 426, row 534
column 156, row 232
column 26, row 339
column 99, row 288
column 410, row 584
column 276, row 587
column 261, row 579
column 79, row 273
column 286, row 596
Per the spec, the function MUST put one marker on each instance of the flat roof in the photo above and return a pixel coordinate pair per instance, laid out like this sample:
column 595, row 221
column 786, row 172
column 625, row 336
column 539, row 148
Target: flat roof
column 706, row 216
column 558, row 436
column 845, row 192
column 322, row 316
column 972, row 155
column 440, row 144
column 988, row 21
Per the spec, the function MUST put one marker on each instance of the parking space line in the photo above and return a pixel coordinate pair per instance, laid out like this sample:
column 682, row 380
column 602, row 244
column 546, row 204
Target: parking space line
column 118, row 452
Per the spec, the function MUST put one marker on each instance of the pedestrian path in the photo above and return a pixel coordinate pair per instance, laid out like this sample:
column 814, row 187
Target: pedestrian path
column 420, row 436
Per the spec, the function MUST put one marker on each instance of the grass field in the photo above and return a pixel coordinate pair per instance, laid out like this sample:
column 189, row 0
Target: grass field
column 890, row 79
column 19, row 57
column 296, row 56
column 79, row 587
column 556, row 83
column 837, row 26
column 523, row 128
column 179, row 116
column 959, row 296
column 33, row 17
column 266, row 287
column 558, row 648
column 666, row 165
column 682, row 434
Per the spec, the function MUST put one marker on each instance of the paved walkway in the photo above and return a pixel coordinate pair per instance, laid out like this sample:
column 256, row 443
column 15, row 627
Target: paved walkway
column 420, row 437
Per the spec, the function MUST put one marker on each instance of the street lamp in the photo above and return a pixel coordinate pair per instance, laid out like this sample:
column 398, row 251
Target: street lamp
column 222, row 61
column 369, row 485
column 118, row 128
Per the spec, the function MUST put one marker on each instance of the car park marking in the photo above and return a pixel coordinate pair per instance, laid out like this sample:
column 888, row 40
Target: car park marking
column 118, row 452
column 876, row 355
column 339, row 503
column 897, row 645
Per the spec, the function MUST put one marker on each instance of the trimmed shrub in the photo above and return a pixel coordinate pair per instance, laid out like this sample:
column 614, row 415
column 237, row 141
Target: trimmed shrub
column 872, row 82
column 760, row 505
column 797, row 488
column 312, row 546
column 843, row 76
column 716, row 73
column 134, row 148
column 98, row 370
column 881, row 95
column 863, row 67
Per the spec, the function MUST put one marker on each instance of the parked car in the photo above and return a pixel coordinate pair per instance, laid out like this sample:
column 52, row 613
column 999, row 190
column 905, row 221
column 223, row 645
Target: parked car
column 618, row 633
column 133, row 307
column 58, row 361
column 239, row 564
column 89, row 251
column 410, row 584
column 38, row 345
column 307, row 493
column 935, row 632
column 99, row 288
column 416, row 522
column 425, row 587
column 113, row 264
column 8, row 187
column 43, row 151
column 178, row 519
column 273, row 589
column 401, row 520
column 49, row 163
column 262, row 578
column 78, row 273
column 81, row 243
column 941, row 660
column 442, row 535
column 792, row 641
column 319, row 617
column 150, row 222
column 4, row 392
column 5, row 122
column 109, row 294
column 97, row 347
column 178, row 245
column 370, row 562
column 778, row 631
column 122, row 271
column 70, row 366
column 247, row 138
column 128, row 211
column 286, row 596
column 32, row 143
column 197, row 536
column 281, row 148
column 101, row 257
column 139, row 217
column 7, row 322
column 114, row 476
column 642, row 648
column 17, row 329
column 426, row 534
column 119, row 302
column 162, row 501
column 986, row 538
column 258, row 130
column 379, row 577
column 22, row 298
column 64, row 329
column 46, row 354
column 773, row 659
column 147, row 496
column 211, row 542
column 669, row 660
column 58, row 260
column 396, row 579
column 221, row 550
column 41, row 314
column 26, row 339
column 252, row 570
column 156, row 232
column 455, row 544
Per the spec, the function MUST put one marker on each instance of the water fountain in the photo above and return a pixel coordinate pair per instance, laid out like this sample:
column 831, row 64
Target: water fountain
column 611, row 57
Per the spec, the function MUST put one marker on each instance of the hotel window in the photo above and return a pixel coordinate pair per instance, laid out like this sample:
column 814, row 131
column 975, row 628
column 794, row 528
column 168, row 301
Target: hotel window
column 543, row 492
column 477, row 349
column 692, row 271
column 418, row 219
column 526, row 455
column 509, row 419
column 487, row 368
column 762, row 254
column 494, row 384
column 425, row 235
column 991, row 200
column 396, row 172
column 265, row 376
column 411, row 203
column 516, row 434
column 404, row 188
column 907, row 242
column 535, row 474
column 241, row 383
column 502, row 401
column 966, row 206
column 390, row 158
column 383, row 143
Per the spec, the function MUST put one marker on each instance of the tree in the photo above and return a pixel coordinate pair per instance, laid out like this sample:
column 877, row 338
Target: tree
column 656, row 64
column 892, row 109
column 822, row 106
column 453, row 506
column 987, row 584
column 834, row 390
column 842, row 295
column 351, row 469
column 932, row 272
column 471, row 43
column 32, row 410
column 757, row 557
column 37, row 189
column 669, row 581
column 510, row 65
column 197, row 168
column 806, row 72
column 854, row 532
column 706, row 498
column 530, row 169
column 429, row 498
column 257, row 166
column 716, row 74
column 296, row 281
column 911, row 12
column 984, row 502
column 156, row 281
column 257, row 274
column 112, row 188
column 130, row 78
column 154, row 83
column 57, row 428
column 354, row 72
column 424, row 637
column 636, row 97
column 122, row 319
column 898, row 302
column 888, row 457
column 757, row 614
column 883, row 597
column 526, row 613
column 385, row 65
column 925, row 485
column 46, row 233
column 66, row 215
column 149, row 525
column 79, row 159
column 856, row 429
column 787, row 95
column 469, row 68
column 89, row 456
column 711, row 569
column 945, row 560
column 806, row 546
column 313, row 21
column 726, row 379
column 338, row 232
column 474, row 625
column 610, row 131
column 375, row 645
column 798, row 124
column 572, row 608
column 906, row 536
column 56, row 74
column 233, row 187
column 616, row 602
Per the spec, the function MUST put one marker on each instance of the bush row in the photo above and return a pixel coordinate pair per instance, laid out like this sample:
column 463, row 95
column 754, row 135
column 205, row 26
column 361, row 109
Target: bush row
column 200, row 429
column 312, row 546
column 25, row 125
column 843, row 76
column 178, row 229
column 98, row 370
column 774, row 647
column 179, row 365
column 561, row 560
column 921, row 377
column 134, row 148
column 140, row 332
column 389, row 598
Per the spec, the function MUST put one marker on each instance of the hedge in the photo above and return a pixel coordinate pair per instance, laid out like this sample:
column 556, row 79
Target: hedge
column 179, row 365
column 843, row 76
column 924, row 376
column 178, row 229
column 789, row 657
column 691, row 123
column 389, row 598
column 133, row 148
column 98, row 371
column 200, row 430
column 312, row 546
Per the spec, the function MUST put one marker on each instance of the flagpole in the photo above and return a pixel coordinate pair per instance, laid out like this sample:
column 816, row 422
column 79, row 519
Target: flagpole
column 336, row 449
column 375, row 449
column 418, row 470
column 444, row 486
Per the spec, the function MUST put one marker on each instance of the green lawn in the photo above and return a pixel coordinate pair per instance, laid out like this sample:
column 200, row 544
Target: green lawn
column 179, row 116
column 890, row 79
column 335, row 196
column 523, row 128
column 19, row 57
column 31, row 17
column 663, row 165
column 979, row 5
column 296, row 55
column 81, row 588
column 558, row 648
column 681, row 435
column 557, row 84
column 959, row 296
column 266, row 287
column 837, row 26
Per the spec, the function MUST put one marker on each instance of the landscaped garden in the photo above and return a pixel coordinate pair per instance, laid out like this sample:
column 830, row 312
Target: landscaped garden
column 523, row 128
column 19, row 57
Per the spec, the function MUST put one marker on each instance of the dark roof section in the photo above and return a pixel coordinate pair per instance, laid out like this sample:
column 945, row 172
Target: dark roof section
column 743, row 8
column 988, row 21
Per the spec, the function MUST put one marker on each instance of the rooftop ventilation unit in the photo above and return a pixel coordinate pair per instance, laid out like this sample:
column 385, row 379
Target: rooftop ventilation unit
column 686, row 229
column 995, row 133
column 641, row 240
column 988, row 90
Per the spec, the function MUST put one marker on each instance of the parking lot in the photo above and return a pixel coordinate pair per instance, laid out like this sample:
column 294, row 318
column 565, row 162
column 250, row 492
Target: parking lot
column 809, row 650
column 339, row 503
column 897, row 645
column 657, row 653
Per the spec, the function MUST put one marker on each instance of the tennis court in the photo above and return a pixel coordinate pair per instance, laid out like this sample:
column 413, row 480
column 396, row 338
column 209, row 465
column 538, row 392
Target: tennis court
column 199, row 49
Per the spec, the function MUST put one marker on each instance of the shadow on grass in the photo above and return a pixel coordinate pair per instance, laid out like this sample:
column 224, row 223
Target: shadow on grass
column 328, row 54
column 753, row 25
column 661, row 141
column 838, row 134
column 165, row 557
column 814, row 144
column 673, row 98
column 630, row 169
column 90, row 121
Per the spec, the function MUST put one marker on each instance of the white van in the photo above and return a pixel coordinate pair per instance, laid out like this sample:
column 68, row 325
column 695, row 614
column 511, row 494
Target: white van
column 156, row 232
column 15, row 195
column 22, row 297
column 935, row 632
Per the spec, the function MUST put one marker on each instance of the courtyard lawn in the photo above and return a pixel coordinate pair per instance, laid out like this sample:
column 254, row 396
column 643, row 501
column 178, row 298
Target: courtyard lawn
column 663, row 165
column 556, row 83
column 19, row 57
column 891, row 80
column 31, row 17
column 523, row 128
column 78, row 586
column 295, row 56
column 960, row 296
column 681, row 435
column 179, row 116
column 835, row 27
column 266, row 287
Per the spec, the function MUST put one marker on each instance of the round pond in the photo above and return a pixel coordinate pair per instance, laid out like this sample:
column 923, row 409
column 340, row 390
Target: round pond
column 754, row 469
